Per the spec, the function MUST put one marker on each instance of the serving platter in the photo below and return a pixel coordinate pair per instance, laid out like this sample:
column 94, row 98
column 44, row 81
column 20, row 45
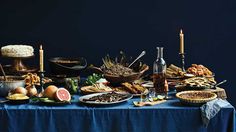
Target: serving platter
column 47, row 101
column 83, row 98
column 16, row 99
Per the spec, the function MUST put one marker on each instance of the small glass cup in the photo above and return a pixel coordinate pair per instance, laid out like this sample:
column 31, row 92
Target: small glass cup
column 143, row 97
column 152, row 94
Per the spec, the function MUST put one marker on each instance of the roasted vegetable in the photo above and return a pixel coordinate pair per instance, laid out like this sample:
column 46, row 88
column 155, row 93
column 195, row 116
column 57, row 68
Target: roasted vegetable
column 93, row 78
column 72, row 85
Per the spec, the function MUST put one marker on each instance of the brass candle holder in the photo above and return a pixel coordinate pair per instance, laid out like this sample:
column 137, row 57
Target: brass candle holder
column 182, row 56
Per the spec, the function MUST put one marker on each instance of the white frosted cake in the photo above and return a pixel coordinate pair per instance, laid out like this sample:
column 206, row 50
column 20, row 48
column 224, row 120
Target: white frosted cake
column 17, row 51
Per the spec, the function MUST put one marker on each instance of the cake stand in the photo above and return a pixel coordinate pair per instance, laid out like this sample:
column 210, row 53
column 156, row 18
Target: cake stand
column 18, row 66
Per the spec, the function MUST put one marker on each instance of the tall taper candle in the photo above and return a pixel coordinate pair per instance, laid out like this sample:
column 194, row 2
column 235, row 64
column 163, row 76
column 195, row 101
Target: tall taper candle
column 41, row 58
column 181, row 36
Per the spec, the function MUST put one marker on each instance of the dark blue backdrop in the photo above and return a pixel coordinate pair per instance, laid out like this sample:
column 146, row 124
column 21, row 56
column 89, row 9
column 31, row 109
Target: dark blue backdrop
column 93, row 28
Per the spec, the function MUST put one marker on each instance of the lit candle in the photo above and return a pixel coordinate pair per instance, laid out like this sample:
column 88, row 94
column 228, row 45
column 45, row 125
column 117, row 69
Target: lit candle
column 41, row 58
column 181, row 36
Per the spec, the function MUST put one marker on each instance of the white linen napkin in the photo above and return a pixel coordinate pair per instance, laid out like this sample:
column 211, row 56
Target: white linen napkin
column 211, row 108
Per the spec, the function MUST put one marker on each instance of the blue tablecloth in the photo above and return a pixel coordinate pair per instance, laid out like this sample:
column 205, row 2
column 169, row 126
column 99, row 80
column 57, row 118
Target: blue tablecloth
column 171, row 116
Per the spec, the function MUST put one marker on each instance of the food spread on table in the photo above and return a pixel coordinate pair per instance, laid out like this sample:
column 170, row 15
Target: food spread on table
column 174, row 72
column 34, row 79
column 17, row 96
column 195, row 97
column 105, row 98
column 96, row 88
column 92, row 79
column 199, row 70
column 132, row 88
column 109, row 97
column 118, row 79
column 120, row 70
column 56, row 94
column 197, row 83
column 17, row 51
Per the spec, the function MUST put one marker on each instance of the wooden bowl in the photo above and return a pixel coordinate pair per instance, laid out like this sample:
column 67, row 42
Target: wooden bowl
column 120, row 79
column 130, row 78
column 67, row 66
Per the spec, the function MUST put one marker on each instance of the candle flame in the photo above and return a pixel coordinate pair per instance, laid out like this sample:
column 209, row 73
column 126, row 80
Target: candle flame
column 181, row 31
column 41, row 47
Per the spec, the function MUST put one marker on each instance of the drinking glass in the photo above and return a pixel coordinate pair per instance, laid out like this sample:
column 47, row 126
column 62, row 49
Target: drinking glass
column 143, row 97
column 152, row 94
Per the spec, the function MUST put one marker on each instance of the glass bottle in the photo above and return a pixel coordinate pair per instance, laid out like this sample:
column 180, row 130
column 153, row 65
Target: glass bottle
column 159, row 74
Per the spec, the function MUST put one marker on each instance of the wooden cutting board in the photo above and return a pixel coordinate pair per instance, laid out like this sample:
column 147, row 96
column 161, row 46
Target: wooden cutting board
column 139, row 104
column 220, row 92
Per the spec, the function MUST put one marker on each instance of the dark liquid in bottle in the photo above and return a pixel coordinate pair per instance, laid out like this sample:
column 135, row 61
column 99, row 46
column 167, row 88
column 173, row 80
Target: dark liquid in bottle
column 159, row 81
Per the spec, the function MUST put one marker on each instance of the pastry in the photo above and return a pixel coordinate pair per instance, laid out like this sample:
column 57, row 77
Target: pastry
column 17, row 51
column 134, row 88
column 129, row 86
column 198, row 82
column 199, row 70
column 174, row 72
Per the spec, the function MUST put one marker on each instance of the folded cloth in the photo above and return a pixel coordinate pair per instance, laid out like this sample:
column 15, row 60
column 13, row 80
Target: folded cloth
column 211, row 108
